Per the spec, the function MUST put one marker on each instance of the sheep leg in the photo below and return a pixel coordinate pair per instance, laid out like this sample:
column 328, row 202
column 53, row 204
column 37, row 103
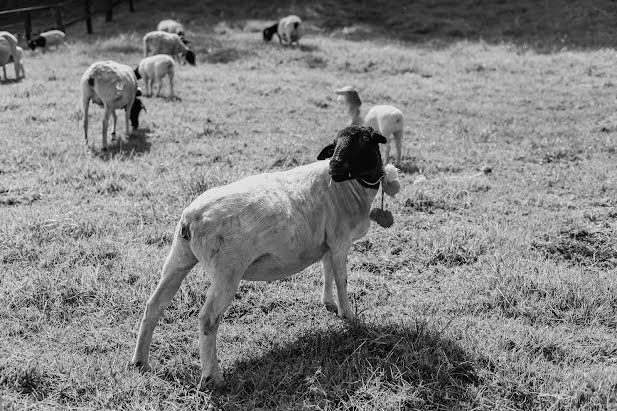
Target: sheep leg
column 398, row 141
column 4, row 71
column 327, row 297
column 219, row 297
column 159, row 83
column 105, row 125
column 171, row 83
column 178, row 264
column 127, row 118
column 86, row 105
column 113, row 133
column 386, row 153
column 339, row 266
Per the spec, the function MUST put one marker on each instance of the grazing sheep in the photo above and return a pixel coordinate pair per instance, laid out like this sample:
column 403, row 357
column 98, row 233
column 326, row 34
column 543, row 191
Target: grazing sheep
column 161, row 42
column 288, row 30
column 47, row 39
column 267, row 227
column 113, row 86
column 8, row 51
column 172, row 26
column 153, row 69
column 388, row 120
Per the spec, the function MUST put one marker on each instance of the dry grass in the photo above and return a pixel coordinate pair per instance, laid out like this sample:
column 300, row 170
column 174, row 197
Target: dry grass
column 491, row 291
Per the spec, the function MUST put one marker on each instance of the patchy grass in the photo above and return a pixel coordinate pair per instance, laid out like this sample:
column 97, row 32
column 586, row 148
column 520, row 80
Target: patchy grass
column 493, row 290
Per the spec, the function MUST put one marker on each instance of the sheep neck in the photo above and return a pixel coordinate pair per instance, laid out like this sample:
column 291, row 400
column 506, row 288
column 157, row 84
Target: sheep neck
column 355, row 196
column 354, row 114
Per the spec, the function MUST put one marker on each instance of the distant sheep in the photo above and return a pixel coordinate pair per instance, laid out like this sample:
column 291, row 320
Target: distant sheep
column 161, row 42
column 388, row 120
column 288, row 30
column 113, row 86
column 48, row 39
column 9, row 52
column 172, row 26
column 267, row 227
column 153, row 69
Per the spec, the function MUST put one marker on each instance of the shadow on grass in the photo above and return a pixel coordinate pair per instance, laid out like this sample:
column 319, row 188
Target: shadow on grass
column 121, row 148
column 391, row 365
column 11, row 80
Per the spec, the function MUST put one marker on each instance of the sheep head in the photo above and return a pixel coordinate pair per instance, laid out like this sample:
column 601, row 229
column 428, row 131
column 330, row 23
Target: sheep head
column 135, row 110
column 268, row 32
column 190, row 57
column 355, row 154
column 38, row 42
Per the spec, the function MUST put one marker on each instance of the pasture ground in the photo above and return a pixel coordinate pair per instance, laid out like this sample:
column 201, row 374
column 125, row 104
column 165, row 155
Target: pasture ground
column 491, row 291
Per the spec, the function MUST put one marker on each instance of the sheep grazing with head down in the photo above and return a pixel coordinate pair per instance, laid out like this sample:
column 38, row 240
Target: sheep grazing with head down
column 267, row 227
column 388, row 120
column 113, row 86
column 288, row 30
column 172, row 26
column 10, row 51
column 48, row 39
column 161, row 42
column 153, row 69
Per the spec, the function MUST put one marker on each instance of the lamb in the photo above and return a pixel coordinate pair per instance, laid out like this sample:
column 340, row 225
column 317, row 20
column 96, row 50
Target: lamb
column 387, row 119
column 9, row 52
column 288, row 30
column 172, row 26
column 267, row 227
column 153, row 69
column 113, row 86
column 47, row 39
column 161, row 42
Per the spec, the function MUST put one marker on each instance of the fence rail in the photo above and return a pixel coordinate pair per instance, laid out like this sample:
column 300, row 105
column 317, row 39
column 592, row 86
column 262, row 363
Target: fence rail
column 58, row 9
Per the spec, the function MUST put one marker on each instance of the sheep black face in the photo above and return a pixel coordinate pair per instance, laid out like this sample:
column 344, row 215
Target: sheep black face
column 269, row 32
column 39, row 42
column 190, row 57
column 136, row 71
column 355, row 154
column 135, row 110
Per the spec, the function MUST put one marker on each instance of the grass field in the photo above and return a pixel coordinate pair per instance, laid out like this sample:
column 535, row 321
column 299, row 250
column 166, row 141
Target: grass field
column 491, row 291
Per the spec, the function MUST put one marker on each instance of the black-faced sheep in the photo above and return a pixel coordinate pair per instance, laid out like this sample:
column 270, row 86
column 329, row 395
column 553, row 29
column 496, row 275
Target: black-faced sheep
column 48, row 39
column 288, row 30
column 172, row 26
column 267, row 227
column 161, row 42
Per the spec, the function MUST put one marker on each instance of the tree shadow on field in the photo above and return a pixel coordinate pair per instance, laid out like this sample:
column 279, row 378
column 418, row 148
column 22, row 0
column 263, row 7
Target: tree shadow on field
column 333, row 368
column 137, row 143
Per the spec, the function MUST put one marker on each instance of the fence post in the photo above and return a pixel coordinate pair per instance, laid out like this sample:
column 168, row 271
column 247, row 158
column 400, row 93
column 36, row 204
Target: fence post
column 28, row 26
column 131, row 6
column 88, row 17
column 108, row 13
column 59, row 23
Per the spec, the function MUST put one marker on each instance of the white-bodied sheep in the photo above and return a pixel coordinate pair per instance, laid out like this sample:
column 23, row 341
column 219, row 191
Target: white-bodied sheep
column 161, row 42
column 172, row 26
column 153, row 69
column 48, row 39
column 267, row 227
column 8, row 51
column 388, row 120
column 113, row 86
column 288, row 29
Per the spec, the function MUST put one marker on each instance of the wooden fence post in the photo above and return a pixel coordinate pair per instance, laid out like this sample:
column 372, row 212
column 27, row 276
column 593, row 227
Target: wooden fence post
column 108, row 12
column 28, row 26
column 88, row 17
column 59, row 24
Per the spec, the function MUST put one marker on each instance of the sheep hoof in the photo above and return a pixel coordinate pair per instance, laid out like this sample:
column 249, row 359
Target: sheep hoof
column 210, row 381
column 330, row 306
column 140, row 366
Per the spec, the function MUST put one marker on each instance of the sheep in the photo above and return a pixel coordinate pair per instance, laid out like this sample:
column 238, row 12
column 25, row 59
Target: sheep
column 172, row 26
column 153, row 69
column 113, row 86
column 47, row 39
column 16, row 59
column 161, row 42
column 267, row 227
column 288, row 30
column 387, row 119
column 8, row 52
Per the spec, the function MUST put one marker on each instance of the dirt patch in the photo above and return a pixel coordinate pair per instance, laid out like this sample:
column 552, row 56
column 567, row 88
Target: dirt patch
column 581, row 246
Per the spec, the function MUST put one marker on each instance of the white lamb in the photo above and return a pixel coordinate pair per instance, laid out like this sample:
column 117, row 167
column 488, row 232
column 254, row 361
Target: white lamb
column 153, row 69
column 161, row 42
column 288, row 30
column 267, row 227
column 387, row 119
column 48, row 39
column 8, row 52
column 113, row 86
column 172, row 26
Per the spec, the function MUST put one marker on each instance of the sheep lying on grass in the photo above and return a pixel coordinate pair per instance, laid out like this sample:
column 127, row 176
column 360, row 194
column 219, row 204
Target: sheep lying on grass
column 172, row 26
column 113, row 86
column 387, row 119
column 288, row 30
column 267, row 227
column 161, row 42
column 10, row 51
column 153, row 69
column 48, row 39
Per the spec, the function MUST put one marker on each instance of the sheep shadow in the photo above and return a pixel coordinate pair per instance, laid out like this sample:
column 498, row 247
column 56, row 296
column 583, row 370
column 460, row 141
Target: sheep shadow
column 332, row 368
column 122, row 147
column 11, row 80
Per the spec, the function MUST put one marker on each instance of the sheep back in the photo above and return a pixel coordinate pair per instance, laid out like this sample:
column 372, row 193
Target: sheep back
column 111, row 83
column 161, row 42
column 156, row 66
column 170, row 26
column 53, row 37
column 290, row 29
column 387, row 119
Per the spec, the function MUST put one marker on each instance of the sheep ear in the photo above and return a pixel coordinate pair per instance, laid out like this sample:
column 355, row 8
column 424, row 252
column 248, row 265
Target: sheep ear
column 377, row 137
column 327, row 152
